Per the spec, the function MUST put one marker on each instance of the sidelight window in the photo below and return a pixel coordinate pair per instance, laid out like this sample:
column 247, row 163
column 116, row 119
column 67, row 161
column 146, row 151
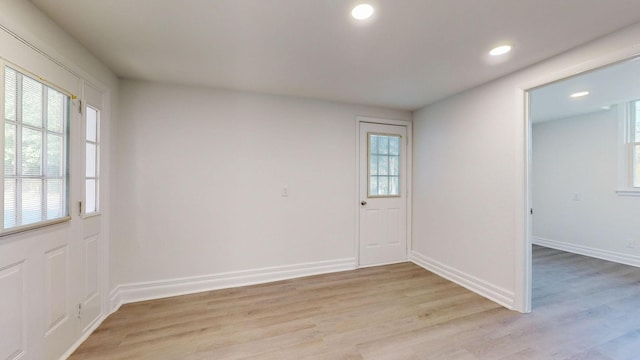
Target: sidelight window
column 92, row 156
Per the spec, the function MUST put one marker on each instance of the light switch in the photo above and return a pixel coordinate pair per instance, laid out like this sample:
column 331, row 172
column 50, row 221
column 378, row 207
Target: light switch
column 285, row 191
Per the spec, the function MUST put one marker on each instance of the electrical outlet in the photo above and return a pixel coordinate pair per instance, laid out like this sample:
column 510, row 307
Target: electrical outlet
column 632, row 244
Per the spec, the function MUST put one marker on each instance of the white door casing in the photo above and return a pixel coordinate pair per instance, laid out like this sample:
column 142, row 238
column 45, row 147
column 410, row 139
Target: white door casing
column 382, row 218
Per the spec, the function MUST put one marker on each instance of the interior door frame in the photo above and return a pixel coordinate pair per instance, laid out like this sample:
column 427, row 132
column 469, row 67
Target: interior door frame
column 524, row 229
column 409, row 150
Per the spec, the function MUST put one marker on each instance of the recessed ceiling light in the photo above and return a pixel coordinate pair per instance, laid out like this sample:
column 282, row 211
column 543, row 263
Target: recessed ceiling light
column 580, row 94
column 362, row 11
column 500, row 50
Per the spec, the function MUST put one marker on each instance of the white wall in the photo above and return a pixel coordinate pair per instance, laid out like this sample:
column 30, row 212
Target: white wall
column 579, row 156
column 463, row 206
column 469, row 174
column 199, row 187
column 42, row 274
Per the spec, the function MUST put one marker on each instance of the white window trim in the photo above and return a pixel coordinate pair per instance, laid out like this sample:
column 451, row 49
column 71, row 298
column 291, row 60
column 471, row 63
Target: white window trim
column 625, row 155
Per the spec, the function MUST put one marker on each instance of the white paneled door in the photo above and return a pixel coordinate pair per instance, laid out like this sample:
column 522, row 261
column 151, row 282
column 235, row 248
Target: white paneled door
column 92, row 287
column 60, row 310
column 383, row 194
column 74, row 294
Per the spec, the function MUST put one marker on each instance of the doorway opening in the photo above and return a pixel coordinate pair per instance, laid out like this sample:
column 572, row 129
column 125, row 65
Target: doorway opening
column 583, row 183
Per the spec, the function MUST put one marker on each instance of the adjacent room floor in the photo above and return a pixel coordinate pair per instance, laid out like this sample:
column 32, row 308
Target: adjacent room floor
column 584, row 308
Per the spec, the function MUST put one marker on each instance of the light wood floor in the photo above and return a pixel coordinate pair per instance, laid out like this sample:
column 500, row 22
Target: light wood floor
column 583, row 309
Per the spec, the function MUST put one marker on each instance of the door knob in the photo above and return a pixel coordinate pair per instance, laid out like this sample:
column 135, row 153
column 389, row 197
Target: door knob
column 363, row 203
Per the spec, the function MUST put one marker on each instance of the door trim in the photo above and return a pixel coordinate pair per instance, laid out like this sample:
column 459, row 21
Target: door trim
column 409, row 146
column 524, row 202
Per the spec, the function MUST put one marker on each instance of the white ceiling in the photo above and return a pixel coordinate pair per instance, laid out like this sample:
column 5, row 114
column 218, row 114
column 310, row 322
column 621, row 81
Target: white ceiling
column 607, row 86
column 411, row 53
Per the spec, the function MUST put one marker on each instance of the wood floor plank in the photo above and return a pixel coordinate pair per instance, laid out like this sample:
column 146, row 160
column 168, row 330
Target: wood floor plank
column 584, row 308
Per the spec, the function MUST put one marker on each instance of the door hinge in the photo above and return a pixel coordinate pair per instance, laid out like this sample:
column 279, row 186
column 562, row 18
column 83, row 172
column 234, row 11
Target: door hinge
column 79, row 207
column 531, row 211
column 80, row 108
column 79, row 310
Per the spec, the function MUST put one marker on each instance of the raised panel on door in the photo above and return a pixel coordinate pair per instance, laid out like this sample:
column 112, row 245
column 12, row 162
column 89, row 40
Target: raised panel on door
column 92, row 272
column 372, row 228
column 57, row 281
column 60, row 312
column 12, row 311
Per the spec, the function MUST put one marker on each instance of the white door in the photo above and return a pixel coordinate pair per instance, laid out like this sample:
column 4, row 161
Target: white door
column 383, row 194
column 92, row 287
column 74, row 267
column 61, row 264
column 60, row 291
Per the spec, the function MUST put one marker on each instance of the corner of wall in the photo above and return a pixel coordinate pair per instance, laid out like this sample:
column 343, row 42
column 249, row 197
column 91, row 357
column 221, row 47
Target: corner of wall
column 490, row 291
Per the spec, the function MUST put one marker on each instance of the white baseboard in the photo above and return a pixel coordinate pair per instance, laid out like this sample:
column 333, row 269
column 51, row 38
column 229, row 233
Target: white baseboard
column 617, row 257
column 129, row 293
column 114, row 300
column 84, row 337
column 495, row 293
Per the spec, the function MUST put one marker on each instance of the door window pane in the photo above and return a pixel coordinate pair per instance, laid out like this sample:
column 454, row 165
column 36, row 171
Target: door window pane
column 92, row 125
column 394, row 165
column 394, row 186
column 636, row 127
column 31, row 201
column 383, row 185
column 373, row 165
column 636, row 166
column 31, row 152
column 373, row 144
column 9, row 203
column 54, row 199
column 384, row 165
column 91, row 160
column 31, row 102
column 55, row 151
column 394, row 146
column 383, row 144
column 55, row 110
column 9, row 149
column 10, row 91
column 373, row 185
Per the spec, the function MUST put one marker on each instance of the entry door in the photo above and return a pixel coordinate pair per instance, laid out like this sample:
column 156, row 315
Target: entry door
column 383, row 194
column 93, row 249
column 59, row 269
